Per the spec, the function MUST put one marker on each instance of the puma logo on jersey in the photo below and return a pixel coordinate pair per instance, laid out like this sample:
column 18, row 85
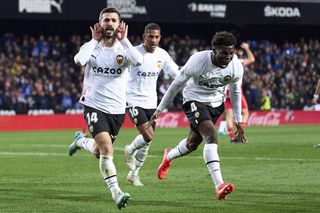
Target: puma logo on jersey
column 147, row 74
column 107, row 70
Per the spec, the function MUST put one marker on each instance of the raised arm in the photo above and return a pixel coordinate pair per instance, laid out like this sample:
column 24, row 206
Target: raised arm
column 251, row 58
column 316, row 94
column 135, row 57
column 84, row 54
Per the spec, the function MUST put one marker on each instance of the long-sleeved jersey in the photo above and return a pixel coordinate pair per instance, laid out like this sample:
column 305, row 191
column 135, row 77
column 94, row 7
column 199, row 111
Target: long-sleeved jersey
column 206, row 83
column 106, row 74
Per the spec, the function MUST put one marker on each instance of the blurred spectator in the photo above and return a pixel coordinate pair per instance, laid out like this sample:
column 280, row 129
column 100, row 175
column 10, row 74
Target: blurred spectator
column 265, row 100
column 66, row 100
column 39, row 72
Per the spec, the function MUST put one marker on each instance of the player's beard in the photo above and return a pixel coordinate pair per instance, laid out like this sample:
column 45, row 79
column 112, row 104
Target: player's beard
column 108, row 34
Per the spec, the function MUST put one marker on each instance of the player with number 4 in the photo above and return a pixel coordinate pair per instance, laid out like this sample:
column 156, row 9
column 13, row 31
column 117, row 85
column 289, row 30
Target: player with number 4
column 206, row 75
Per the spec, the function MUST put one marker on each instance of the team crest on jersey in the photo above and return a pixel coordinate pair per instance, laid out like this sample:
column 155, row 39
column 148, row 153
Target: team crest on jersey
column 120, row 60
column 197, row 114
column 158, row 64
column 91, row 129
column 227, row 79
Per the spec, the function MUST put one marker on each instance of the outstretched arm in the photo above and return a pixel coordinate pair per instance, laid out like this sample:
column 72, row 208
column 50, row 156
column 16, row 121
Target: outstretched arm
column 174, row 88
column 235, row 96
column 186, row 72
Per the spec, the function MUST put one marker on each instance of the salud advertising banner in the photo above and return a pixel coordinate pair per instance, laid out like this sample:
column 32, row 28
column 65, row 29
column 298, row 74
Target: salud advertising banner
column 169, row 11
column 166, row 120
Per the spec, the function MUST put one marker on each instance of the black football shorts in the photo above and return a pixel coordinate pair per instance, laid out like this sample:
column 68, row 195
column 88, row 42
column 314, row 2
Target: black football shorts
column 197, row 112
column 99, row 121
column 139, row 115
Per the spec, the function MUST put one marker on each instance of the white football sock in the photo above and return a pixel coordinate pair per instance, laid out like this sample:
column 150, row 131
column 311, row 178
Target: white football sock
column 140, row 156
column 179, row 150
column 86, row 143
column 211, row 158
column 109, row 173
column 136, row 144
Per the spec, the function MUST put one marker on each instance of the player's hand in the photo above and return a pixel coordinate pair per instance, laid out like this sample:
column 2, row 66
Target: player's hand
column 315, row 99
column 244, row 45
column 97, row 32
column 240, row 133
column 122, row 31
column 154, row 117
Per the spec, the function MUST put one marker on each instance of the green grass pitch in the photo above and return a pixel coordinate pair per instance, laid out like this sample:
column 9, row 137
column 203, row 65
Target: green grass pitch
column 279, row 171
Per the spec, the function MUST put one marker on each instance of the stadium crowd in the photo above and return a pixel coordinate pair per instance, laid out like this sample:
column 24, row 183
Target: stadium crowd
column 39, row 72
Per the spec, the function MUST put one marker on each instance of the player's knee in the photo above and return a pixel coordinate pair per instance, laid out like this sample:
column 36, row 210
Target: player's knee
column 192, row 146
column 96, row 154
column 148, row 137
column 95, row 151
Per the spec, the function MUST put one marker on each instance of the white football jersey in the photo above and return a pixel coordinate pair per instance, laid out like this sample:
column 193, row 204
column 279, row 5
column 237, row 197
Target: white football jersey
column 141, row 90
column 206, row 83
column 106, row 75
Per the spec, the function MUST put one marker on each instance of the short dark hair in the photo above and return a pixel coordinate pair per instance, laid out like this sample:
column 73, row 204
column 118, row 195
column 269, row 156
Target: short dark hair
column 109, row 10
column 152, row 26
column 223, row 38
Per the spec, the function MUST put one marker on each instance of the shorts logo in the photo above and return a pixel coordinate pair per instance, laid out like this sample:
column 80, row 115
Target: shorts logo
column 91, row 129
column 197, row 114
column 120, row 60
column 135, row 121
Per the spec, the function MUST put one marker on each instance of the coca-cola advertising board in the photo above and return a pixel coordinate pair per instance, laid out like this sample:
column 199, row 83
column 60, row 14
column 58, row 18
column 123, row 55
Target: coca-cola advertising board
column 166, row 120
column 256, row 118
column 291, row 117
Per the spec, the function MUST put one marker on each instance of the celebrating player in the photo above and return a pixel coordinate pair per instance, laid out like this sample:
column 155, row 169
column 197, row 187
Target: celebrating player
column 207, row 73
column 142, row 97
column 106, row 59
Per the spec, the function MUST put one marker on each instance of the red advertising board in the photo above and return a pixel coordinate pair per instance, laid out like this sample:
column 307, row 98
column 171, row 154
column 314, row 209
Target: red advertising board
column 256, row 118
column 166, row 120
column 285, row 117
